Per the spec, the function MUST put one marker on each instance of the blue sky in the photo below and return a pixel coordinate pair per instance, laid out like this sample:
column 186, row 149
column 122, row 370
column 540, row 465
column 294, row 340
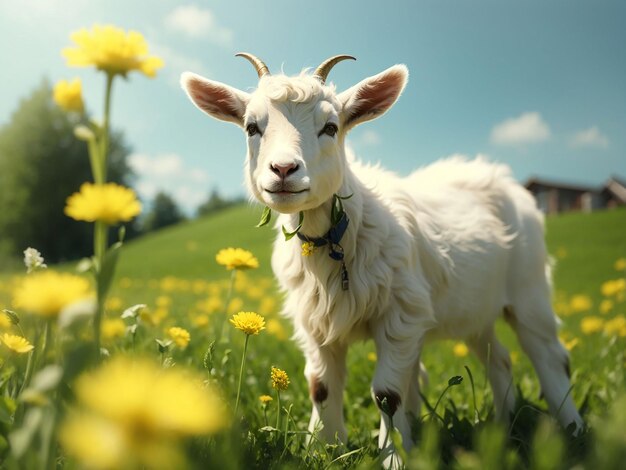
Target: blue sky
column 539, row 85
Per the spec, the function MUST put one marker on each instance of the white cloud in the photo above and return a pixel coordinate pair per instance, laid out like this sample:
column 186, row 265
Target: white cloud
column 591, row 137
column 197, row 22
column 169, row 173
column 524, row 129
column 370, row 137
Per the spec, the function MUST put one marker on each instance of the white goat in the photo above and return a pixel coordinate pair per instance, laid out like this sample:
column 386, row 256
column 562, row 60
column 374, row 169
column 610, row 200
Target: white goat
column 440, row 254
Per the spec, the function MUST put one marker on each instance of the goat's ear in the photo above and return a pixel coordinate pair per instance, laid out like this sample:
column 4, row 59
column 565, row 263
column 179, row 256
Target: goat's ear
column 373, row 96
column 214, row 98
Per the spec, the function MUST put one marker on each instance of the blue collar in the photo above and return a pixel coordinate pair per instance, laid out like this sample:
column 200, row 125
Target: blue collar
column 333, row 240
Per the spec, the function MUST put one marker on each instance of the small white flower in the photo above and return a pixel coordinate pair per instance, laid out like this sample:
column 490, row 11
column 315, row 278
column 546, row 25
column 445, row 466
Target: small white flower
column 33, row 260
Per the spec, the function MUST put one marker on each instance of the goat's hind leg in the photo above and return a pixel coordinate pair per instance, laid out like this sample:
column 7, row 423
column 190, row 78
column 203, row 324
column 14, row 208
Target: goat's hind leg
column 536, row 329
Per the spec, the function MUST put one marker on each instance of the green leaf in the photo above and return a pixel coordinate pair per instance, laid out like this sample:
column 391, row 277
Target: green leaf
column 107, row 270
column 164, row 345
column 12, row 316
column 290, row 235
column 265, row 217
column 7, row 408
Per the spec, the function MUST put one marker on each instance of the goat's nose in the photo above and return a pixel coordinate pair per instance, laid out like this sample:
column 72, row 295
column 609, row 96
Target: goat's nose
column 284, row 169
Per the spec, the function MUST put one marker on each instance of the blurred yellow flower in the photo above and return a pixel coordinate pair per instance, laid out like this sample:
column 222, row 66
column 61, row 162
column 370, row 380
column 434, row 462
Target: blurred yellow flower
column 210, row 305
column 153, row 317
column 109, row 203
column 606, row 306
column 113, row 328
column 580, row 303
column 561, row 252
column 180, row 336
column 280, row 379
column 200, row 320
column 616, row 326
column 265, row 399
column 276, row 328
column 236, row 258
column 163, row 301
column 69, row 95
column 460, row 350
column 46, row 293
column 5, row 321
column 591, row 324
column 614, row 287
column 571, row 344
column 113, row 303
column 267, row 305
column 16, row 343
column 111, row 50
column 234, row 305
column 251, row 323
column 127, row 417
column 371, row 356
column 514, row 357
column 620, row 264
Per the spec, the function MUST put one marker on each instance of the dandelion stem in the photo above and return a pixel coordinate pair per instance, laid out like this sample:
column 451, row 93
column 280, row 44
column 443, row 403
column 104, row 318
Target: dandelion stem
column 104, row 149
column 278, row 409
column 233, row 276
column 243, row 362
column 100, row 246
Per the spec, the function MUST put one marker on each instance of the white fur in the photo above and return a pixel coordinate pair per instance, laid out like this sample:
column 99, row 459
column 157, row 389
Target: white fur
column 438, row 254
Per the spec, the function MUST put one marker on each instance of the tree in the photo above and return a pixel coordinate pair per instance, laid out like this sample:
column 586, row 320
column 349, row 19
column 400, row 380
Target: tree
column 41, row 164
column 215, row 202
column 164, row 212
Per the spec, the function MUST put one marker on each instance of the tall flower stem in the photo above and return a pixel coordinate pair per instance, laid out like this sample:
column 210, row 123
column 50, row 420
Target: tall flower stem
column 104, row 143
column 100, row 246
column 243, row 361
column 233, row 276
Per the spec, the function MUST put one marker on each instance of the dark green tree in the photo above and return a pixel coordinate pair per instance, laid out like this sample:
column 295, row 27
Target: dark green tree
column 41, row 164
column 215, row 202
column 164, row 212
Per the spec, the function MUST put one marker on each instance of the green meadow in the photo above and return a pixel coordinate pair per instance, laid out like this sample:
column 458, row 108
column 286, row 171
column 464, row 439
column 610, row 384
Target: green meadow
column 174, row 272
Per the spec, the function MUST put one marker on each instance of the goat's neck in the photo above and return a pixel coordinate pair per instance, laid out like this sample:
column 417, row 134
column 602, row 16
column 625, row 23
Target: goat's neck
column 317, row 221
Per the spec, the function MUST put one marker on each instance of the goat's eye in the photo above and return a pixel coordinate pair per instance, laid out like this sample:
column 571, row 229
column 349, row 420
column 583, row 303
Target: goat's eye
column 329, row 129
column 252, row 129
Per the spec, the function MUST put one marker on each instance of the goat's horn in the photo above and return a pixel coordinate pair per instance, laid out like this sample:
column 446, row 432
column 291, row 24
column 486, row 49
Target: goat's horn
column 259, row 65
column 322, row 71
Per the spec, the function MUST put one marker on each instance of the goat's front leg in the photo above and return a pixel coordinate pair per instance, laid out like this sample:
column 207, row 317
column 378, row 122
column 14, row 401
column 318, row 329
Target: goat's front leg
column 326, row 373
column 398, row 345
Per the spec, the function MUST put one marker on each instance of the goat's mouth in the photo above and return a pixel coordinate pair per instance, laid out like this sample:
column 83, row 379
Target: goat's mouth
column 285, row 192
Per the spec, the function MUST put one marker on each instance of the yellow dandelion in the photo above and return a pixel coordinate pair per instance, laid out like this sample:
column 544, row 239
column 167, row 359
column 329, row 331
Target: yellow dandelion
column 210, row 305
column 620, row 264
column 580, row 303
column 460, row 350
column 109, row 203
column 46, row 293
column 280, row 379
column 16, row 343
column 371, row 356
column 236, row 258
column 180, row 336
column 113, row 328
column 251, row 323
column 163, row 301
column 265, row 399
column 606, row 306
column 571, row 344
column 111, row 50
column 69, row 95
column 126, row 416
column 591, row 324
column 308, row 248
column 616, row 326
column 614, row 287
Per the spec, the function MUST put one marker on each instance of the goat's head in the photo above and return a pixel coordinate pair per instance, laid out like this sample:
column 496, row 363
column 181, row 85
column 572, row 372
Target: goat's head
column 296, row 127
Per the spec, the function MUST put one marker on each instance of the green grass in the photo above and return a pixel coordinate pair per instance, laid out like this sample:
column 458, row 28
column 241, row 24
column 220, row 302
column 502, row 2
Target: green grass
column 174, row 272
